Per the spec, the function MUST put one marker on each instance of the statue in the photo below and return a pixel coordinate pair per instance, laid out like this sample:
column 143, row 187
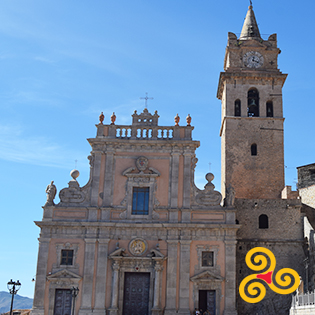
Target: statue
column 51, row 191
column 230, row 197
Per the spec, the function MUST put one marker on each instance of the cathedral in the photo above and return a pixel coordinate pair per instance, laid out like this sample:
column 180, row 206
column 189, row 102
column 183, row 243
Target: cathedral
column 141, row 238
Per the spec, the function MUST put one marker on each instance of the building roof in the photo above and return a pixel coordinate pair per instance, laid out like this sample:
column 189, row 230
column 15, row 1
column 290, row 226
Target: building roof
column 250, row 28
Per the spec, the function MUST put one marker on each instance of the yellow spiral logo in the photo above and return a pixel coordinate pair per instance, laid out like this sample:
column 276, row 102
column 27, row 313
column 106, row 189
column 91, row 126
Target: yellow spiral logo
column 256, row 290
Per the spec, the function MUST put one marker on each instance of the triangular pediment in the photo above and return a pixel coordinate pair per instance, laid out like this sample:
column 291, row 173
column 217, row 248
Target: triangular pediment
column 118, row 252
column 133, row 172
column 64, row 274
column 206, row 276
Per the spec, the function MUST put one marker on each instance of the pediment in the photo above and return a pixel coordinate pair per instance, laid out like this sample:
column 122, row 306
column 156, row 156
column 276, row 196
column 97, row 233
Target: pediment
column 64, row 274
column 119, row 252
column 206, row 276
column 156, row 253
column 133, row 172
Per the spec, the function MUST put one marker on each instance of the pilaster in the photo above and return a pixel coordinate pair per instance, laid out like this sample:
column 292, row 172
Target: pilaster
column 230, row 277
column 87, row 286
column 41, row 273
column 108, row 180
column 171, row 281
column 96, row 171
column 101, row 273
column 184, row 277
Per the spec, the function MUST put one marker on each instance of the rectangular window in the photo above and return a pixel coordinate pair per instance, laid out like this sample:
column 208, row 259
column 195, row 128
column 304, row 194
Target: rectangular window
column 207, row 259
column 66, row 257
column 140, row 201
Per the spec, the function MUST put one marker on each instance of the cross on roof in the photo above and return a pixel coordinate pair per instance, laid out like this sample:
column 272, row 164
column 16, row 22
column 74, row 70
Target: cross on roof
column 146, row 98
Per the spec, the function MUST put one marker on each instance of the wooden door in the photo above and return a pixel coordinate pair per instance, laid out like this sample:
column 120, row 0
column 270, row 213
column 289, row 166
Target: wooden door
column 62, row 302
column 136, row 293
column 207, row 301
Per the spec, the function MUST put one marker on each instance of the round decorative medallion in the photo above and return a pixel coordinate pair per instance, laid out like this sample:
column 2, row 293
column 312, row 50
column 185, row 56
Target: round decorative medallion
column 142, row 163
column 138, row 247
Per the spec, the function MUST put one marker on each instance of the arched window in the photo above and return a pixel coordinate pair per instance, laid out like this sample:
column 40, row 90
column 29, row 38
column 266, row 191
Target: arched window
column 237, row 108
column 263, row 221
column 253, row 103
column 269, row 109
column 253, row 149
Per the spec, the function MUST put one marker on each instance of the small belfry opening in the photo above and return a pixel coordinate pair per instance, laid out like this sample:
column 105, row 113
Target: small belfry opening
column 263, row 221
column 269, row 109
column 253, row 103
column 237, row 108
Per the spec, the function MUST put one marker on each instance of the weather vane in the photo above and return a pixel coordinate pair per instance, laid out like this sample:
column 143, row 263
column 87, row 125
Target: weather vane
column 146, row 98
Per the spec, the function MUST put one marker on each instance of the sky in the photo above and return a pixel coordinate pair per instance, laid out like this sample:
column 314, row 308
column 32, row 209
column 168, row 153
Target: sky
column 63, row 62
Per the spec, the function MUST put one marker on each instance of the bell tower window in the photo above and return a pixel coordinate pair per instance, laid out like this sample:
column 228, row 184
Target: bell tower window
column 253, row 103
column 237, row 108
column 269, row 109
column 253, row 149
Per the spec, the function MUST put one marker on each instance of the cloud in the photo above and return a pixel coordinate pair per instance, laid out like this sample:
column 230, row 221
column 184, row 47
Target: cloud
column 35, row 150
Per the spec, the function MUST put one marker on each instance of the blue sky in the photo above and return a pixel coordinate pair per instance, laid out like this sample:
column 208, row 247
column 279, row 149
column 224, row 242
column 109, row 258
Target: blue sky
column 63, row 62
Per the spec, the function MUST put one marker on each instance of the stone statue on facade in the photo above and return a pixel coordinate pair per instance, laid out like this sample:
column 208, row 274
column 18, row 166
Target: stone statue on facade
column 230, row 197
column 51, row 191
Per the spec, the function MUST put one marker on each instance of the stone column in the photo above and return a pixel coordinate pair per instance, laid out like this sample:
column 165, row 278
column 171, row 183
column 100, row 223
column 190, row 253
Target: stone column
column 230, row 278
column 156, row 310
column 184, row 277
column 108, row 180
column 96, row 171
column 115, row 287
column 173, row 185
column 87, row 285
column 100, row 286
column 41, row 273
column 171, row 280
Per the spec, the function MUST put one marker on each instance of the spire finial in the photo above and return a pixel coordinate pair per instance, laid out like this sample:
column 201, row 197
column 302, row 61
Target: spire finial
column 250, row 28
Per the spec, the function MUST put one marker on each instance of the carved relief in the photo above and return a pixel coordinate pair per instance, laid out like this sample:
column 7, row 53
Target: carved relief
column 138, row 247
column 208, row 196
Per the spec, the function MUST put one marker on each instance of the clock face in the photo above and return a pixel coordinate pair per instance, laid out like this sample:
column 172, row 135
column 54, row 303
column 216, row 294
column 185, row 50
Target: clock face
column 253, row 59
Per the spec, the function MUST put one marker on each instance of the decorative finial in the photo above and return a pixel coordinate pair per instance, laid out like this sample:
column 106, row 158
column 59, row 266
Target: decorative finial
column 101, row 118
column 146, row 98
column 113, row 118
column 177, row 119
column 188, row 120
column 251, row 4
column 74, row 174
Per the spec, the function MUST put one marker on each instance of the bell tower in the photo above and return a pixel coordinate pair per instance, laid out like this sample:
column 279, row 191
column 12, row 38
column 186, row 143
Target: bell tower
column 250, row 89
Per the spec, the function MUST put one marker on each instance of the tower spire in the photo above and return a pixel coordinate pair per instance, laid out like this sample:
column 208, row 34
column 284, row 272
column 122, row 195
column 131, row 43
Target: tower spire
column 250, row 28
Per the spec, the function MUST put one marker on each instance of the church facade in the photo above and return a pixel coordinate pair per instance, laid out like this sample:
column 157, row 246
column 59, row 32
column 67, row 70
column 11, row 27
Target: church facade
column 141, row 238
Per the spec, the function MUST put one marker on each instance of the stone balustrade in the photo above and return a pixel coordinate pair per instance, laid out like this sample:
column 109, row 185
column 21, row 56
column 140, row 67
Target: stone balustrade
column 135, row 132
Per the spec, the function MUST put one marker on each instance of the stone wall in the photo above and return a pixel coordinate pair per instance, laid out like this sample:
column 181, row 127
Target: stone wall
column 306, row 175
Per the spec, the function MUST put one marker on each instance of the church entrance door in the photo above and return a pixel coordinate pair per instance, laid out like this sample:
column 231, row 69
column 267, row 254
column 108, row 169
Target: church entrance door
column 62, row 302
column 136, row 293
column 207, row 301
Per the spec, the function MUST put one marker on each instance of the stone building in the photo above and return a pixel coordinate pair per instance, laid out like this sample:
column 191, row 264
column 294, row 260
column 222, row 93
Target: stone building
column 141, row 237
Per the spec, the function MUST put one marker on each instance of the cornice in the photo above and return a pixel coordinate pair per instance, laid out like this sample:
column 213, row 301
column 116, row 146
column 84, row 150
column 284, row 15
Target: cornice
column 248, row 75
